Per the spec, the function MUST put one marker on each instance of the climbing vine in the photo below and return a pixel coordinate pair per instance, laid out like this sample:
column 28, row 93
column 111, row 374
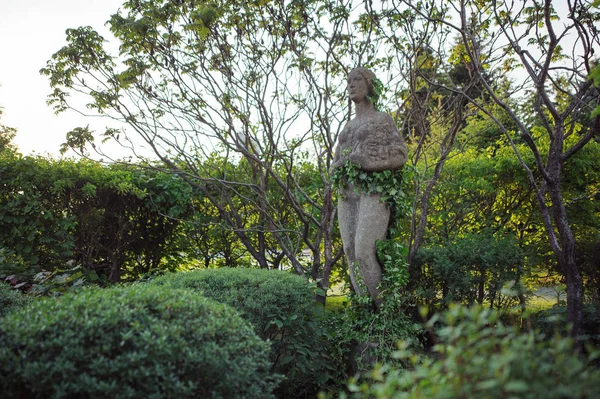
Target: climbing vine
column 378, row 90
column 389, row 323
column 389, row 185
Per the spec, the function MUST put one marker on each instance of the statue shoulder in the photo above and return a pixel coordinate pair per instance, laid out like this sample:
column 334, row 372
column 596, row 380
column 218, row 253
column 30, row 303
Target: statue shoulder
column 385, row 119
column 385, row 129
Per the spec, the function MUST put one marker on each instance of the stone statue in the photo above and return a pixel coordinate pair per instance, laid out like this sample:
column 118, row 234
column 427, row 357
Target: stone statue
column 370, row 140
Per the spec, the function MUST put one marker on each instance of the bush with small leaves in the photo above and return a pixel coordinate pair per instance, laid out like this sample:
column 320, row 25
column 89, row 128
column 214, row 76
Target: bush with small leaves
column 554, row 319
column 11, row 299
column 139, row 341
column 281, row 307
column 479, row 357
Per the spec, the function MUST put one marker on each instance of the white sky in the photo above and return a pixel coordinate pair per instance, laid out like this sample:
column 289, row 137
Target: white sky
column 30, row 32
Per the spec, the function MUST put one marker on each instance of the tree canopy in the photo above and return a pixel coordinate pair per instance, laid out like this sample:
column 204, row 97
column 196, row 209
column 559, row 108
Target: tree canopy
column 260, row 85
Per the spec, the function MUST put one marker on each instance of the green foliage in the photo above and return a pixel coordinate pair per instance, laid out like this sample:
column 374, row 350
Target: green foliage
column 138, row 341
column 392, row 254
column 581, row 187
column 281, row 308
column 391, row 185
column 68, row 277
column 479, row 357
column 481, row 188
column 11, row 299
column 362, row 335
column 477, row 268
column 115, row 220
column 594, row 76
column 32, row 221
column 7, row 134
column 11, row 264
column 377, row 94
column 236, row 231
column 61, row 280
column 552, row 320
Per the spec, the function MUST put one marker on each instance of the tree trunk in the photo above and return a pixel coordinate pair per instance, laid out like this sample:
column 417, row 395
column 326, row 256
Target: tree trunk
column 574, row 298
column 570, row 269
column 115, row 271
column 481, row 289
column 566, row 253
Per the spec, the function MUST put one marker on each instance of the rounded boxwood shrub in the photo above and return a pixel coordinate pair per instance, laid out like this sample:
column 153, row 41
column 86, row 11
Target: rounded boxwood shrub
column 281, row 307
column 138, row 341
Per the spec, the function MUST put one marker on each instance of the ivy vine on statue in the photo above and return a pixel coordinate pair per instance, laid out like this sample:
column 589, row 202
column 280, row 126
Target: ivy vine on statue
column 368, row 156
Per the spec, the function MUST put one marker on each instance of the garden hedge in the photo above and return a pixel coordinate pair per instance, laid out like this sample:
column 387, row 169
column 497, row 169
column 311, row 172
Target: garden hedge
column 139, row 341
column 281, row 308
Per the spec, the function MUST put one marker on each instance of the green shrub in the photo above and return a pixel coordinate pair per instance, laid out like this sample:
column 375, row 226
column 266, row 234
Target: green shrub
column 550, row 320
column 478, row 357
column 54, row 211
column 131, row 342
column 11, row 299
column 282, row 309
column 471, row 269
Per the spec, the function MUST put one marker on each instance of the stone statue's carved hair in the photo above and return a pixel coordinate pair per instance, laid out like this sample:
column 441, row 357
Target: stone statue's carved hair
column 367, row 75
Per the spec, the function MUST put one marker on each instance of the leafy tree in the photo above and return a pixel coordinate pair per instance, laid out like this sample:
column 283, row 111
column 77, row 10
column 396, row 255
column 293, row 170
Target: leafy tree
column 531, row 38
column 7, row 134
column 192, row 78
column 481, row 189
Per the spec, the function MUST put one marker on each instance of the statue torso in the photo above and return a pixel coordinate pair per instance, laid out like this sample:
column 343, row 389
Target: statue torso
column 373, row 142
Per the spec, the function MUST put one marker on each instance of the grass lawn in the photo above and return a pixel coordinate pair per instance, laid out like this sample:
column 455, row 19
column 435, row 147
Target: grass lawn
column 541, row 299
column 335, row 303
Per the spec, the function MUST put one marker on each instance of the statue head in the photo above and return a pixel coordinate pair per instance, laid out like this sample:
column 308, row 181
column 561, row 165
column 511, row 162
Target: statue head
column 369, row 79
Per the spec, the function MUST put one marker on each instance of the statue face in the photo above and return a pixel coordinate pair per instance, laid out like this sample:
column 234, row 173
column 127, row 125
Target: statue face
column 358, row 87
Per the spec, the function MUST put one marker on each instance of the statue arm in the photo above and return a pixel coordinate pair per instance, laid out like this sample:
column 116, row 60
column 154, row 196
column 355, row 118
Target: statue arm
column 337, row 160
column 342, row 154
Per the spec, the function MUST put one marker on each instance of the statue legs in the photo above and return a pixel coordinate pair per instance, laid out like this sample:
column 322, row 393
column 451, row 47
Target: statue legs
column 347, row 217
column 363, row 221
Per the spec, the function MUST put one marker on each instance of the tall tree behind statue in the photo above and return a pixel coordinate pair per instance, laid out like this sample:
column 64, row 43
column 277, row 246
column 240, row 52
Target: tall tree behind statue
column 554, row 55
